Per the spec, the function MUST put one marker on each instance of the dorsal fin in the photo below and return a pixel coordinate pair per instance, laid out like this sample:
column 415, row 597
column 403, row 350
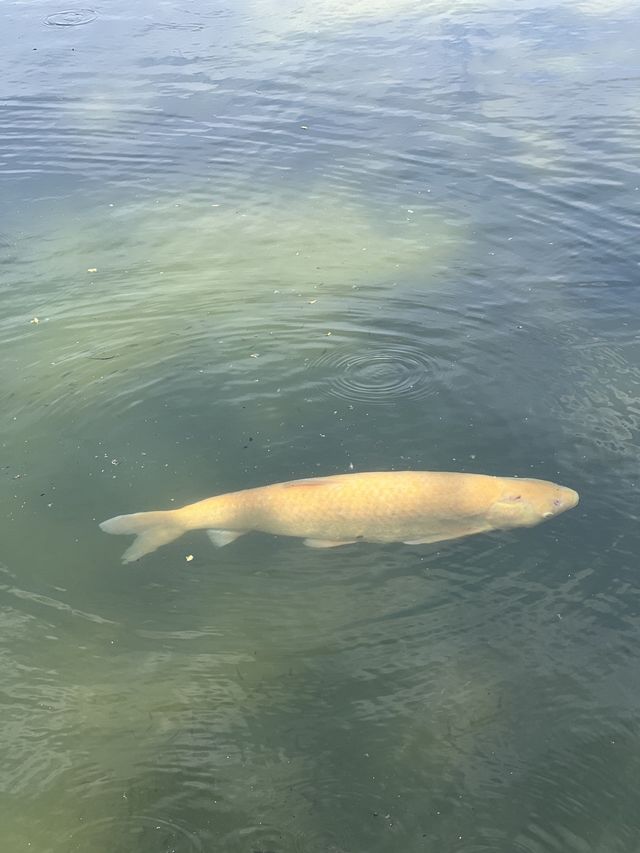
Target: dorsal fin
column 306, row 484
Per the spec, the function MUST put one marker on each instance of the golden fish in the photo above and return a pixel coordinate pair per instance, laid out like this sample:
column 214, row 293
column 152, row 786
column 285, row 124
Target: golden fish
column 413, row 507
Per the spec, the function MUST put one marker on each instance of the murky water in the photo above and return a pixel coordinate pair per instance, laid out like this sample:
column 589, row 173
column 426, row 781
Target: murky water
column 242, row 243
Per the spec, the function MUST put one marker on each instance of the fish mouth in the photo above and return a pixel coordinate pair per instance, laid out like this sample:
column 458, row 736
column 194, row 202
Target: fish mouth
column 570, row 498
column 566, row 500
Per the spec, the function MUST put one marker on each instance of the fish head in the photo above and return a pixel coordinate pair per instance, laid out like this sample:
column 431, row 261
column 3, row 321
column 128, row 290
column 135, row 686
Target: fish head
column 527, row 502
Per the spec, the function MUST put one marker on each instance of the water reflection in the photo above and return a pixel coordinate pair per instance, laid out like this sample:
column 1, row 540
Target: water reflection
column 476, row 697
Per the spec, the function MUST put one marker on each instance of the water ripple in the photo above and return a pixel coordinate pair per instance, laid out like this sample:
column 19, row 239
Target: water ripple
column 71, row 18
column 245, row 246
column 262, row 839
column 137, row 832
column 381, row 375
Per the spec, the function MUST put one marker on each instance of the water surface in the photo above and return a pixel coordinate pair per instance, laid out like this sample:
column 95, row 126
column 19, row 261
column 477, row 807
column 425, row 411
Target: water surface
column 245, row 243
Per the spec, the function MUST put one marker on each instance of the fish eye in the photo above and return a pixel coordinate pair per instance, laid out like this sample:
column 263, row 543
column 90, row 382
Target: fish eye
column 557, row 501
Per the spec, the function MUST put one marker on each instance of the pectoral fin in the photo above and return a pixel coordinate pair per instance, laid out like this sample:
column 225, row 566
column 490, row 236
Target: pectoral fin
column 447, row 535
column 220, row 538
column 326, row 543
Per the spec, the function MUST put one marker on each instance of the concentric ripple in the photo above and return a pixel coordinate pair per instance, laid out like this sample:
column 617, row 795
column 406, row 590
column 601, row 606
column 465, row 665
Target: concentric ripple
column 262, row 839
column 71, row 18
column 136, row 833
column 381, row 375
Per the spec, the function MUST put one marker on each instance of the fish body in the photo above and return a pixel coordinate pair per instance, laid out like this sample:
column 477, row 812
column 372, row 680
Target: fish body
column 413, row 507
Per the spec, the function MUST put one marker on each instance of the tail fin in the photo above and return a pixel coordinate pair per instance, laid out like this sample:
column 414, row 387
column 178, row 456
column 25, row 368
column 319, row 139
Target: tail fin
column 152, row 529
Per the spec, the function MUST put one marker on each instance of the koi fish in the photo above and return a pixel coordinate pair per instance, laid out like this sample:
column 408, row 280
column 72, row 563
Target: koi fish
column 413, row 507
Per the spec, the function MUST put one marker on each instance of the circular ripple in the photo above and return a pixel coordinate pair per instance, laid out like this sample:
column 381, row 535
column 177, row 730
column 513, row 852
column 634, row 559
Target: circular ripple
column 71, row 18
column 134, row 833
column 262, row 839
column 381, row 376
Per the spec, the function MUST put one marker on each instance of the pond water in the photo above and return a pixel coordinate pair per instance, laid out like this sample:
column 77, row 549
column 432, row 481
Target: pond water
column 244, row 243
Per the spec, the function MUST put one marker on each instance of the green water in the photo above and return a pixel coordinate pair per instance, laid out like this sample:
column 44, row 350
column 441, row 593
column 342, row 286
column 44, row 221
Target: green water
column 247, row 243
